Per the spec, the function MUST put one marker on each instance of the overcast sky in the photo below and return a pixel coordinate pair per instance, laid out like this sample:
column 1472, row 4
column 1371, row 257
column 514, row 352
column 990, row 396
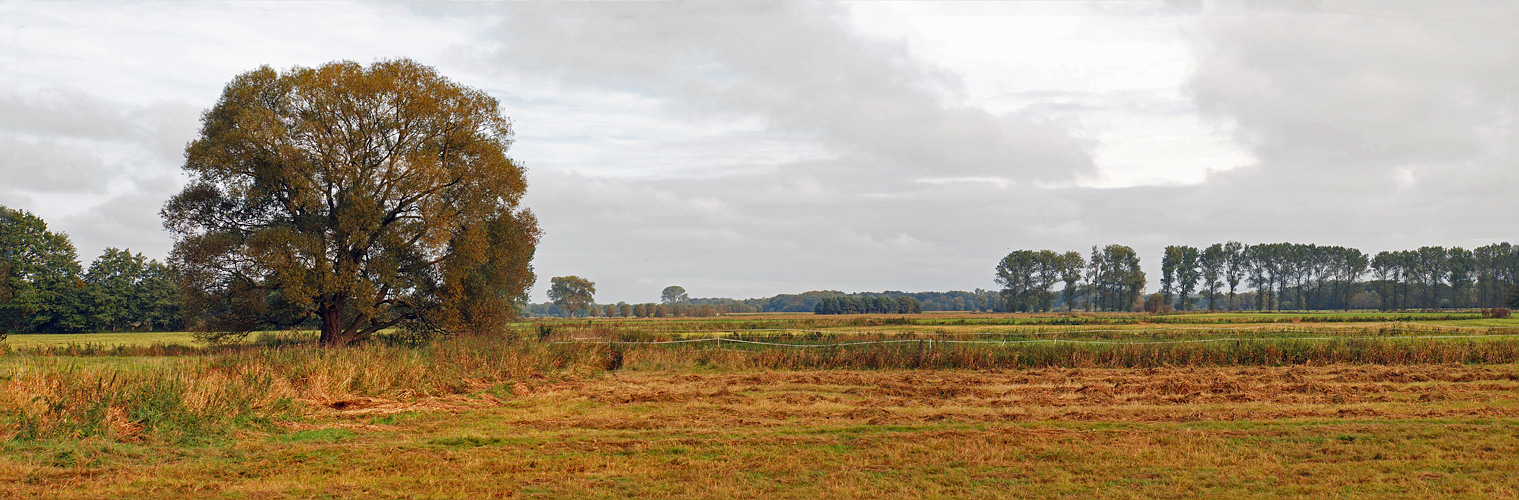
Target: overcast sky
column 745, row 150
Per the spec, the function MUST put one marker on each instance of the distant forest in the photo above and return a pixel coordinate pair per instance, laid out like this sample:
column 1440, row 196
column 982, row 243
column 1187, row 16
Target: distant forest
column 1275, row 276
column 44, row 287
column 1230, row 276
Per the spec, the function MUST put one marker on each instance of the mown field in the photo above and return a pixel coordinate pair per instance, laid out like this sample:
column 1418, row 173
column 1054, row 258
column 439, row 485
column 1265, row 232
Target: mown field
column 582, row 409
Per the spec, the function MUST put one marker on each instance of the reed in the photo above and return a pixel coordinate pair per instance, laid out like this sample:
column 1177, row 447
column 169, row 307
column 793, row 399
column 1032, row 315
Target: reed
column 939, row 355
column 188, row 395
column 210, row 392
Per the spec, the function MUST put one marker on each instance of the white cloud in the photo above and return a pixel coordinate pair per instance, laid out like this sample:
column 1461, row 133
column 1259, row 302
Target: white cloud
column 747, row 149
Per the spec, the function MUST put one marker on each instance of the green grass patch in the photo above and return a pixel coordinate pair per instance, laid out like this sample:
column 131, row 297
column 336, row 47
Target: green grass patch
column 330, row 435
column 466, row 441
column 32, row 340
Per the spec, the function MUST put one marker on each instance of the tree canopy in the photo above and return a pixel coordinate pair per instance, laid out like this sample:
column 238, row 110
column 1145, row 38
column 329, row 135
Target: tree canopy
column 366, row 197
column 43, row 288
column 1027, row 277
column 572, row 293
column 40, row 290
column 673, row 294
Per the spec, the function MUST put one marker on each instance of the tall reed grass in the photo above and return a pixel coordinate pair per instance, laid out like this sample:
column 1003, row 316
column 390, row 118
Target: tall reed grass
column 188, row 395
column 189, row 398
column 940, row 355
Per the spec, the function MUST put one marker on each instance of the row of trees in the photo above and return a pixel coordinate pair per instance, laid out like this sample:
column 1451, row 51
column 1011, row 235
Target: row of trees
column 845, row 304
column 1269, row 276
column 575, row 296
column 1456, row 277
column 44, row 289
column 1110, row 280
column 644, row 310
column 1299, row 276
column 1306, row 276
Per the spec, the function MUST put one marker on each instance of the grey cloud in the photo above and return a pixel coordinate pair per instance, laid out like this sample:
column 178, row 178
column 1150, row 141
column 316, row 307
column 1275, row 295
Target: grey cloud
column 1357, row 88
column 798, row 66
column 754, row 235
column 63, row 112
column 126, row 221
column 1376, row 125
column 165, row 128
column 1377, row 129
column 50, row 167
column 94, row 168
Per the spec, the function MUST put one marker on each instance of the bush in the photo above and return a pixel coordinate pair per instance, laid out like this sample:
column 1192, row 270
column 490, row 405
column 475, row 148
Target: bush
column 1497, row 313
column 1156, row 304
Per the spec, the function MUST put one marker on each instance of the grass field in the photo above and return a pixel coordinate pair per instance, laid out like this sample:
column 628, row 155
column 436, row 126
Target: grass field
column 52, row 340
column 527, row 419
column 29, row 340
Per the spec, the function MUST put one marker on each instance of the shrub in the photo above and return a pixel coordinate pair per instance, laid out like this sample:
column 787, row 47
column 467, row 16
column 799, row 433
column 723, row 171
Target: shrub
column 1156, row 304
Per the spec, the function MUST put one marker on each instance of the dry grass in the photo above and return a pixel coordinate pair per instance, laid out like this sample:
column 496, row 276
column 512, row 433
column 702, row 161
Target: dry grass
column 926, row 354
column 189, row 398
column 485, row 418
column 1340, row 431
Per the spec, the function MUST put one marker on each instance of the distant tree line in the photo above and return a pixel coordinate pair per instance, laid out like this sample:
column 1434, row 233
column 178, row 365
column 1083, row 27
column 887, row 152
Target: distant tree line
column 1271, row 276
column 845, row 304
column 694, row 308
column 1109, row 280
column 574, row 296
column 978, row 300
column 44, row 289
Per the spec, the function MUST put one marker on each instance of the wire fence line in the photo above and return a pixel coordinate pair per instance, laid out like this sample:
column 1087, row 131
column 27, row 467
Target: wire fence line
column 1146, row 329
column 720, row 340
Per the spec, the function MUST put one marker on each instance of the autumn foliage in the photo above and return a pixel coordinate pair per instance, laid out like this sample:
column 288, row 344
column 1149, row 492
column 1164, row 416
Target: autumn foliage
column 368, row 198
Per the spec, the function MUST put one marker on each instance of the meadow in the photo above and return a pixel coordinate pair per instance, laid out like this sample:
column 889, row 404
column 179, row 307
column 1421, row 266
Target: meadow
column 1346, row 405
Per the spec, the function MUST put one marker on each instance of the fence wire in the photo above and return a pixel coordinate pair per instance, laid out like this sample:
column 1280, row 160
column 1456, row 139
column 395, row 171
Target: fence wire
column 931, row 340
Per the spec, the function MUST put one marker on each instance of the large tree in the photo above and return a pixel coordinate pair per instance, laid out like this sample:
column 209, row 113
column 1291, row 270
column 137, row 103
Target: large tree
column 1236, row 266
column 1019, row 275
column 572, row 293
column 673, row 294
column 367, row 197
column 1116, row 277
column 114, row 279
column 1211, row 265
column 1071, row 265
column 40, row 288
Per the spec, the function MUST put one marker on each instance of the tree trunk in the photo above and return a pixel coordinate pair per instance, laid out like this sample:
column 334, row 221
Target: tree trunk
column 332, row 325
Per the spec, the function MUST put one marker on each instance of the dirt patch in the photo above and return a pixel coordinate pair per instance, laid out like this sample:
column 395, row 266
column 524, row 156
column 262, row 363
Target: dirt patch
column 378, row 406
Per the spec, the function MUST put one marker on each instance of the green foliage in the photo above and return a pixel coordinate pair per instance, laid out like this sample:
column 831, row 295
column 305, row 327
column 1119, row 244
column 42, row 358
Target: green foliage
column 40, row 290
column 43, row 288
column 1027, row 277
column 315, row 436
column 1179, row 273
column 673, row 294
column 127, row 292
column 573, row 294
column 844, row 304
column 1117, row 281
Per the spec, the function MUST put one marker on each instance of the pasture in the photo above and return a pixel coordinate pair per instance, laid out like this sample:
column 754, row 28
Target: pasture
column 1348, row 405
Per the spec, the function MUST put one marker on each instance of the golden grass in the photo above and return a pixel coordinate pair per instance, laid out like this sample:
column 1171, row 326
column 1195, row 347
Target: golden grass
column 489, row 418
column 194, row 397
column 33, row 340
column 1339, row 431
